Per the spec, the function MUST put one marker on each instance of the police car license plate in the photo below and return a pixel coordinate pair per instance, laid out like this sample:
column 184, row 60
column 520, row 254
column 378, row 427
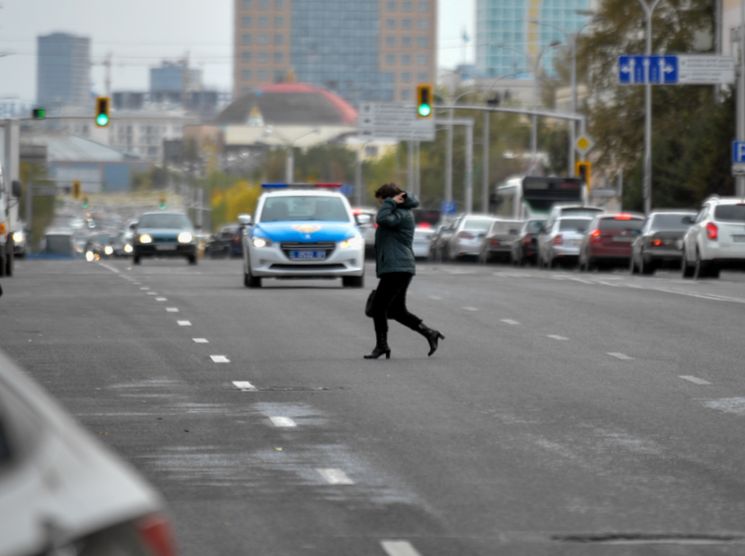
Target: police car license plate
column 165, row 246
column 307, row 255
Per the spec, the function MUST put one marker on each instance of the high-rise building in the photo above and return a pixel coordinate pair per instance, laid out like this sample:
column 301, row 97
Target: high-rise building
column 515, row 37
column 363, row 50
column 175, row 77
column 63, row 70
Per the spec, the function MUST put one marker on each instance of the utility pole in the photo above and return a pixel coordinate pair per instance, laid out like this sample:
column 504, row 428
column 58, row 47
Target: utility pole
column 449, row 159
column 648, row 11
column 740, row 180
column 485, row 165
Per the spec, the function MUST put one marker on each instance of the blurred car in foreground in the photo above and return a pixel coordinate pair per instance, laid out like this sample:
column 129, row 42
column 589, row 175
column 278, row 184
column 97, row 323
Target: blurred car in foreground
column 660, row 240
column 468, row 233
column 122, row 243
column 303, row 233
column 716, row 239
column 560, row 244
column 61, row 490
column 164, row 234
column 99, row 246
column 422, row 240
column 498, row 241
column 608, row 240
column 525, row 246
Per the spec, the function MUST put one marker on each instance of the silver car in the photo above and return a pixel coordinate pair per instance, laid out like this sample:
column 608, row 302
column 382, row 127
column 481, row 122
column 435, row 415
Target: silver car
column 561, row 243
column 61, row 491
column 468, row 234
column 499, row 240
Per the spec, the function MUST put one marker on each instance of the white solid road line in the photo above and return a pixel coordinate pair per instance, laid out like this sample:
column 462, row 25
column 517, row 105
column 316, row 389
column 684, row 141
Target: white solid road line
column 171, row 309
column 219, row 359
column 183, row 322
column 695, row 380
column 399, row 548
column 557, row 337
column 510, row 322
column 201, row 340
column 335, row 477
column 283, row 422
column 244, row 386
column 621, row 356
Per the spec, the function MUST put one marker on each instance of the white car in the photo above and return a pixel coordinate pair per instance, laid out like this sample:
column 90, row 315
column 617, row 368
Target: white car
column 468, row 234
column 716, row 239
column 561, row 243
column 422, row 241
column 61, row 490
column 303, row 233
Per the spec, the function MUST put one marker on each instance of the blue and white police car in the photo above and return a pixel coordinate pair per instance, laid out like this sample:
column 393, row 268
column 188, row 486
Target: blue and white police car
column 303, row 232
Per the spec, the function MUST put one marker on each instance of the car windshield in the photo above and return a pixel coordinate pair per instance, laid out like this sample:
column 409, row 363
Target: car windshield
column 730, row 213
column 167, row 221
column 534, row 226
column 576, row 224
column 671, row 222
column 303, row 208
column 615, row 224
column 580, row 211
column 477, row 224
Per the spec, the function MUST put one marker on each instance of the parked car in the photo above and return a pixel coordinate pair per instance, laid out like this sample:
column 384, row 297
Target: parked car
column 468, row 233
column 525, row 246
column 716, row 239
column 608, row 240
column 61, row 490
column 365, row 218
column 422, row 240
column 164, row 234
column 561, row 243
column 499, row 239
column 440, row 238
column 660, row 240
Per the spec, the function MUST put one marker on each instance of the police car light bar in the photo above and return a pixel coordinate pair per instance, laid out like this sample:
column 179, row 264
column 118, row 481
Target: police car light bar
column 301, row 185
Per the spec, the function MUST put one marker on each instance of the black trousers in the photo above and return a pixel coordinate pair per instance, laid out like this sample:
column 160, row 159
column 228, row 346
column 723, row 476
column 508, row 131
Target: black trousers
column 390, row 303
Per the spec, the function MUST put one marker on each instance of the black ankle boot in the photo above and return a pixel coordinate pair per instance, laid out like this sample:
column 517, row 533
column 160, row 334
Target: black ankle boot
column 433, row 336
column 381, row 346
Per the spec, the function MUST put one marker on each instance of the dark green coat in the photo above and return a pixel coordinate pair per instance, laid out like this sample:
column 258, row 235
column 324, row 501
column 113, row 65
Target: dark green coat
column 394, row 236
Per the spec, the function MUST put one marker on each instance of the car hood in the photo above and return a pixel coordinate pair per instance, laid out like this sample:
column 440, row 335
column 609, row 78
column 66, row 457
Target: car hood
column 163, row 232
column 304, row 232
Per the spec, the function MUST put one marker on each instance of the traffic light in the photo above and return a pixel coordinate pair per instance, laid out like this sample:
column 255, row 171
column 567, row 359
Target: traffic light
column 85, row 202
column 583, row 168
column 103, row 105
column 76, row 189
column 39, row 113
column 162, row 202
column 424, row 100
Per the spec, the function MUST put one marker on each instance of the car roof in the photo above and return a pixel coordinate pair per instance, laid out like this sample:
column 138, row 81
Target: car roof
column 726, row 200
column 303, row 193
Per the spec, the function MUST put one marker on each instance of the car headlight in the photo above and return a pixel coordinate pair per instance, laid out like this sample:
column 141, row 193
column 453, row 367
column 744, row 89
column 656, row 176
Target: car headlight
column 185, row 237
column 145, row 238
column 261, row 242
column 351, row 242
column 108, row 250
column 127, row 247
column 19, row 237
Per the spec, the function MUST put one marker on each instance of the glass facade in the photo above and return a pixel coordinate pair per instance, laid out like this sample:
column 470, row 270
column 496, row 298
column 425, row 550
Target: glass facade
column 63, row 70
column 510, row 46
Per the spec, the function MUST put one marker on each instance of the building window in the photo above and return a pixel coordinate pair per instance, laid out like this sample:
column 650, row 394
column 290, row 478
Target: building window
column 390, row 41
column 263, row 57
column 246, row 55
column 279, row 57
column 422, row 42
column 263, row 39
column 406, row 76
column 262, row 75
column 422, row 59
column 423, row 5
column 279, row 39
column 247, row 3
column 264, row 4
column 263, row 22
column 406, row 23
column 390, row 23
column 279, row 21
column 246, row 75
column 246, row 38
column 406, row 42
column 390, row 59
column 407, row 5
column 422, row 24
column 392, row 5
column 406, row 59
column 405, row 94
column 246, row 21
column 279, row 4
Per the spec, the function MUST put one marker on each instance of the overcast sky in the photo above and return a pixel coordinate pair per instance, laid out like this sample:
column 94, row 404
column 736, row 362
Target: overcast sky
column 140, row 33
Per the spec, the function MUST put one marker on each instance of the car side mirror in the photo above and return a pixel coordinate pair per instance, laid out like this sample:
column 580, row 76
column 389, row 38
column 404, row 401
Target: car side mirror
column 245, row 219
column 363, row 219
column 133, row 226
column 16, row 189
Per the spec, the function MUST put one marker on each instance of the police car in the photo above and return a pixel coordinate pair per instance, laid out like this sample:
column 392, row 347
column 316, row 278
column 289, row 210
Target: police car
column 303, row 232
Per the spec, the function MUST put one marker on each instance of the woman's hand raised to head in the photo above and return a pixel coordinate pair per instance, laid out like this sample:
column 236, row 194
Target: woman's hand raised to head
column 398, row 199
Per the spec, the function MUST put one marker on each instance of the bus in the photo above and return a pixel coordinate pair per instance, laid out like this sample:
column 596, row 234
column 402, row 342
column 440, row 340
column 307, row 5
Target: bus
column 523, row 197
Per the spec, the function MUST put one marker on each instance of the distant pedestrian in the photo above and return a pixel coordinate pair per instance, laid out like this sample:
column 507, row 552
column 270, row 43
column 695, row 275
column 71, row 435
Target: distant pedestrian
column 395, row 266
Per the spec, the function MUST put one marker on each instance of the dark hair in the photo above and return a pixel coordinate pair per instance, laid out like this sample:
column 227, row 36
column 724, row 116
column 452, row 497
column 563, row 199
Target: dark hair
column 387, row 190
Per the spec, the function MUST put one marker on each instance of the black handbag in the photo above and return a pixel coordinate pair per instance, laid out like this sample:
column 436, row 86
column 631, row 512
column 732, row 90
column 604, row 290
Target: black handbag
column 369, row 304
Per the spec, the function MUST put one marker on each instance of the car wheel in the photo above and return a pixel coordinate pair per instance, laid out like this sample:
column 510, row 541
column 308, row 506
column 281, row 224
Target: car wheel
column 353, row 281
column 192, row 259
column 646, row 268
column 136, row 259
column 685, row 269
column 713, row 271
column 251, row 281
column 700, row 267
column 483, row 256
column 632, row 265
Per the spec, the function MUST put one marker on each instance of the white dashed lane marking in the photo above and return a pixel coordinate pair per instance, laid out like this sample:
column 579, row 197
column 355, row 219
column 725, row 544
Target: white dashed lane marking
column 335, row 477
column 201, row 340
column 695, row 380
column 283, row 422
column 219, row 359
column 183, row 322
column 152, row 293
column 144, row 288
column 469, row 308
column 557, row 337
column 244, row 386
column 510, row 322
column 172, row 309
column 161, row 299
column 621, row 356
column 399, row 548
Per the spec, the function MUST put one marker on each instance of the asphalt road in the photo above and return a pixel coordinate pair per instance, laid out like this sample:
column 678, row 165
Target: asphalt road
column 565, row 413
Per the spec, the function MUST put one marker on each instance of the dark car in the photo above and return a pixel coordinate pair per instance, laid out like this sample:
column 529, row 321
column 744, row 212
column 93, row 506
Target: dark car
column 99, row 246
column 227, row 242
column 525, row 246
column 660, row 241
column 164, row 234
column 608, row 240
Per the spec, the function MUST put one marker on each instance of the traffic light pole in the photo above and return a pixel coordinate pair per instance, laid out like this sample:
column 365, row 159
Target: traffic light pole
column 648, row 11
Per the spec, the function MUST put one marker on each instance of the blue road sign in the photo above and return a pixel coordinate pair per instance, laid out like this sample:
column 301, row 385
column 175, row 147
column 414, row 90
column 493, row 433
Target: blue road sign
column 638, row 70
column 738, row 152
column 448, row 207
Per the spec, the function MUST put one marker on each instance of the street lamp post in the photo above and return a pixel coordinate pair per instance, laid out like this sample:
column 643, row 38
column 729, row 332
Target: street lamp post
column 648, row 11
column 290, row 145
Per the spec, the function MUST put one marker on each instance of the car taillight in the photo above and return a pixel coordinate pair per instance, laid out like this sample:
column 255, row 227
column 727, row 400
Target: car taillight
column 155, row 531
column 712, row 231
column 595, row 235
column 657, row 243
column 558, row 240
column 527, row 240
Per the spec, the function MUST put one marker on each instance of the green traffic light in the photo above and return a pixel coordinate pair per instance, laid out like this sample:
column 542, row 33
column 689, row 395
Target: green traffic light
column 424, row 110
column 102, row 120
